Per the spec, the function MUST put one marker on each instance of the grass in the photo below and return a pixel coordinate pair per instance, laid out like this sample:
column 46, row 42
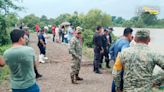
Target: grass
column 88, row 52
column 4, row 71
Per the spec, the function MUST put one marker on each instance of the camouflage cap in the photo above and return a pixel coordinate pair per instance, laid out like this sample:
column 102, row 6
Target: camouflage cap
column 142, row 33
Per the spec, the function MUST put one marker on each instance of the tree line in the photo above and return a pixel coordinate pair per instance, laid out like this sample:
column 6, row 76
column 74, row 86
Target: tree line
column 87, row 21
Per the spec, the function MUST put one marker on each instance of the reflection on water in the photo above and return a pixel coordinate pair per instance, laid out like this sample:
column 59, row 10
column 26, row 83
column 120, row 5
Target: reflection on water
column 157, row 38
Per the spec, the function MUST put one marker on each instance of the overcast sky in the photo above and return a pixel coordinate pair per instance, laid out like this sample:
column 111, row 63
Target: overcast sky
column 53, row 8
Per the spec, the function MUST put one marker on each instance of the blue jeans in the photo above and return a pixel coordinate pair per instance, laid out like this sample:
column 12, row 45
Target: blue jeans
column 33, row 88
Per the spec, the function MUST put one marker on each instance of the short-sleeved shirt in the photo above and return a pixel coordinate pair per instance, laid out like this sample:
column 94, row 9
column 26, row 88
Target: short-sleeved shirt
column 21, row 64
column 41, row 37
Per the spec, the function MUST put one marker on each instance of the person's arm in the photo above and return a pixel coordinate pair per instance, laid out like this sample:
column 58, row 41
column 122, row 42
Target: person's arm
column 41, row 41
column 72, row 48
column 159, row 60
column 2, row 62
column 117, row 68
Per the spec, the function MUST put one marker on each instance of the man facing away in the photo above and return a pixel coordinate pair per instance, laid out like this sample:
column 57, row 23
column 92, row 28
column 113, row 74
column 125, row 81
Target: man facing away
column 20, row 60
column 138, row 63
column 76, row 52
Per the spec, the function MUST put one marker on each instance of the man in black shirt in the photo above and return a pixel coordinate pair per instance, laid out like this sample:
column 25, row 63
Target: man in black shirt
column 98, row 49
column 105, row 45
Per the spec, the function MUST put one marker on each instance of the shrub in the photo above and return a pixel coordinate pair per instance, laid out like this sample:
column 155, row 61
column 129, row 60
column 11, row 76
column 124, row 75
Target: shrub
column 88, row 38
column 4, row 72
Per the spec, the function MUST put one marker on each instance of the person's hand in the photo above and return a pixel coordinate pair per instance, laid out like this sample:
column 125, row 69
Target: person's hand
column 80, row 57
column 118, row 90
column 102, row 51
column 44, row 46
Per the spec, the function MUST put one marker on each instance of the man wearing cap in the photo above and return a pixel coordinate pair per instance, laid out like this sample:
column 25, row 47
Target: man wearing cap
column 138, row 63
column 76, row 51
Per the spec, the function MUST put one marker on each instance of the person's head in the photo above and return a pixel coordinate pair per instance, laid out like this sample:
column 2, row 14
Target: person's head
column 110, row 29
column 99, row 29
column 78, row 34
column 128, row 33
column 17, row 36
column 42, row 31
column 142, row 36
column 26, row 29
column 106, row 32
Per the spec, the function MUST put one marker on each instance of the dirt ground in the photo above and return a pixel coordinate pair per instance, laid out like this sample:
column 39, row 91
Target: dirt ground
column 56, row 72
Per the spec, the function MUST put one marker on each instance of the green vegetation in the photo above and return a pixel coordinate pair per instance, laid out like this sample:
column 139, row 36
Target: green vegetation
column 4, row 72
column 7, row 20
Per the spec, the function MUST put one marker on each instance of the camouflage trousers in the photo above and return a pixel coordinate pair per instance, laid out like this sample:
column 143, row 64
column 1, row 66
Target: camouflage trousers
column 75, row 66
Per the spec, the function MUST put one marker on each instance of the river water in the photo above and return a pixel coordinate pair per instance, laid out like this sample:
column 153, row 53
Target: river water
column 157, row 37
column 156, row 43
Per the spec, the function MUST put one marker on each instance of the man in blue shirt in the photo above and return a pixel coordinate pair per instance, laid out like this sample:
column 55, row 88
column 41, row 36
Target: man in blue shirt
column 42, row 46
column 118, row 46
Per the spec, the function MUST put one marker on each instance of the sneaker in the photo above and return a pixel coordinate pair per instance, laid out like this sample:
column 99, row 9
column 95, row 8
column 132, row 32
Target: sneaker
column 45, row 57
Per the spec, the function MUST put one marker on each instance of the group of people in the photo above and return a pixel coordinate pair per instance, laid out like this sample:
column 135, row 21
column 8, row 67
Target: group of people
column 61, row 33
column 132, row 69
column 134, row 61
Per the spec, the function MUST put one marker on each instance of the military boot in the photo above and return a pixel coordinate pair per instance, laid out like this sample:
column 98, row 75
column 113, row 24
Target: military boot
column 73, row 79
column 78, row 78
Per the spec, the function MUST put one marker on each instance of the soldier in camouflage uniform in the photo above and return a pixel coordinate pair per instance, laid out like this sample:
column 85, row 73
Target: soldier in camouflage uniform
column 76, row 52
column 138, row 63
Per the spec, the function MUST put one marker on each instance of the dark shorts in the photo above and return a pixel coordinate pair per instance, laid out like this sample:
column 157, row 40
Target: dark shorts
column 42, row 50
column 33, row 88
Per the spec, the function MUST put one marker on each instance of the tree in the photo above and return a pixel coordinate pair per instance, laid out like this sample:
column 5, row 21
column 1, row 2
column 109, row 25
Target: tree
column 12, row 19
column 31, row 20
column 44, row 19
column 74, row 20
column 62, row 18
column 127, row 23
column 4, row 37
column 96, row 17
column 148, row 19
column 5, row 8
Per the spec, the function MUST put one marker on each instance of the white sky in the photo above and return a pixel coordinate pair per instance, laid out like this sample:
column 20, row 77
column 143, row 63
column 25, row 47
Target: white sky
column 53, row 8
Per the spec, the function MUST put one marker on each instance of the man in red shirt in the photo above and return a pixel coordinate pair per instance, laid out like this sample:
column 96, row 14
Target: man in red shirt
column 37, row 28
column 54, row 32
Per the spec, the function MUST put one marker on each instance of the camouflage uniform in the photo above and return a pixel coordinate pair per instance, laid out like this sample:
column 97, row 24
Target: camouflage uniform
column 138, row 63
column 76, row 52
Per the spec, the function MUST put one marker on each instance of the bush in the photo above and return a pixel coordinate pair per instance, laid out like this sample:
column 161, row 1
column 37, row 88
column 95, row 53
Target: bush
column 4, row 37
column 4, row 72
column 88, row 38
